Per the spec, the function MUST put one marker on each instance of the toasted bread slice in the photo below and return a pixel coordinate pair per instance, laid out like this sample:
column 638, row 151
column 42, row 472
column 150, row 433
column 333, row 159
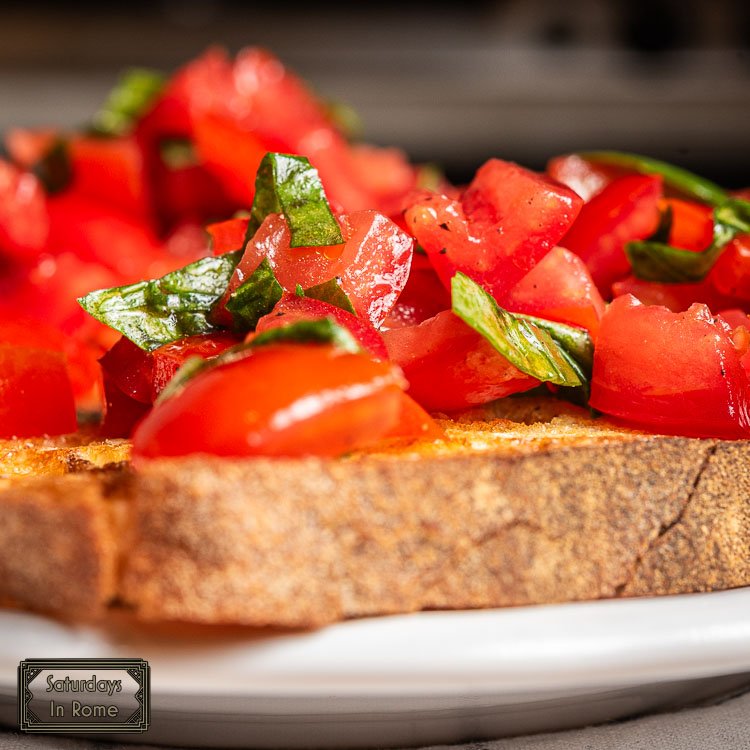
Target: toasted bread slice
column 548, row 507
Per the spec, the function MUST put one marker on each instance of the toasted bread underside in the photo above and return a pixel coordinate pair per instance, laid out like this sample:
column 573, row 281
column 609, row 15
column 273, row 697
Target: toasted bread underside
column 551, row 508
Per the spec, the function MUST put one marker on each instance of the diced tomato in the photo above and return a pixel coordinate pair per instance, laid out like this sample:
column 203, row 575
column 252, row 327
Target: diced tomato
column 201, row 84
column 111, row 171
column 26, row 147
column 676, row 297
column 36, row 397
column 231, row 153
column 378, row 257
column 627, row 209
column 47, row 295
column 424, row 296
column 731, row 272
column 507, row 221
column 96, row 233
column 734, row 318
column 24, row 221
column 559, row 288
column 228, row 235
column 449, row 366
column 188, row 193
column 413, row 422
column 386, row 175
column 292, row 308
column 260, row 405
column 585, row 177
column 25, row 331
column 238, row 111
column 692, row 224
column 372, row 265
column 121, row 412
column 143, row 375
column 677, row 373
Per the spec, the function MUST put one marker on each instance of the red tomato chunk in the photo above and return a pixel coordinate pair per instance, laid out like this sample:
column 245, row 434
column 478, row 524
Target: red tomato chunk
column 677, row 373
column 36, row 397
column 260, row 405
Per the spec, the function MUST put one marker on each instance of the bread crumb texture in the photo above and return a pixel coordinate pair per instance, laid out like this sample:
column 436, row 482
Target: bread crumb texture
column 528, row 502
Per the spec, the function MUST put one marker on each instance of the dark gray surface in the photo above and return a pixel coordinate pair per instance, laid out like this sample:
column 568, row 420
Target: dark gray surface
column 449, row 82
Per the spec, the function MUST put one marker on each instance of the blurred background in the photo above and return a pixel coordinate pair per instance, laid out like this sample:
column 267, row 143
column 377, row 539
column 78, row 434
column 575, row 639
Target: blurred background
column 452, row 83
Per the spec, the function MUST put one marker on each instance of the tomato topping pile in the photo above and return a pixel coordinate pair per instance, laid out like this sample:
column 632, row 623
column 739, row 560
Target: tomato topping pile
column 216, row 268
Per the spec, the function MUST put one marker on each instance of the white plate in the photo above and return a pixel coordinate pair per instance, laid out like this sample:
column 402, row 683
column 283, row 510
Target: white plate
column 413, row 679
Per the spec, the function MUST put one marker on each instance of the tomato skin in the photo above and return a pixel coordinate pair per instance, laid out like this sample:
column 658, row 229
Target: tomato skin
column 142, row 375
column 372, row 265
column 585, row 177
column 731, row 272
column 227, row 236
column 134, row 378
column 506, row 222
column 121, row 412
column 692, row 224
column 424, row 296
column 449, row 366
column 36, row 397
column 232, row 154
column 677, row 373
column 676, row 297
column 261, row 406
column 24, row 220
column 626, row 209
column 96, row 233
column 292, row 308
column 559, row 288
column 111, row 171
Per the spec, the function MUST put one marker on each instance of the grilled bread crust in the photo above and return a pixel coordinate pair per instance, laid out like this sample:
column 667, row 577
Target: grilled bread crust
column 550, row 506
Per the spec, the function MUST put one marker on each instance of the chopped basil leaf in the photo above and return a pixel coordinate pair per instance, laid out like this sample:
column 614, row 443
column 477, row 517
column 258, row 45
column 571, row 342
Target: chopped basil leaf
column 128, row 101
column 255, row 297
column 331, row 292
column 687, row 183
column 299, row 291
column 525, row 345
column 53, row 170
column 652, row 260
column 157, row 312
column 322, row 331
column 576, row 342
column 178, row 153
column 290, row 185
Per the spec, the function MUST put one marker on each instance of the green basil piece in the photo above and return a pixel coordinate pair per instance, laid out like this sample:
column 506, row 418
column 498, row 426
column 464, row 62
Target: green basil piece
column 525, row 345
column 686, row 182
column 255, row 297
column 178, row 153
column 128, row 101
column 322, row 331
column 575, row 342
column 331, row 292
column 157, row 312
column 290, row 185
column 652, row 260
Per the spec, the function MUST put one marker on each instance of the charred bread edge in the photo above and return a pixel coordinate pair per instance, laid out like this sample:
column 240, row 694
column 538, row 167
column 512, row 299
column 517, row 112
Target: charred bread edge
column 301, row 543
